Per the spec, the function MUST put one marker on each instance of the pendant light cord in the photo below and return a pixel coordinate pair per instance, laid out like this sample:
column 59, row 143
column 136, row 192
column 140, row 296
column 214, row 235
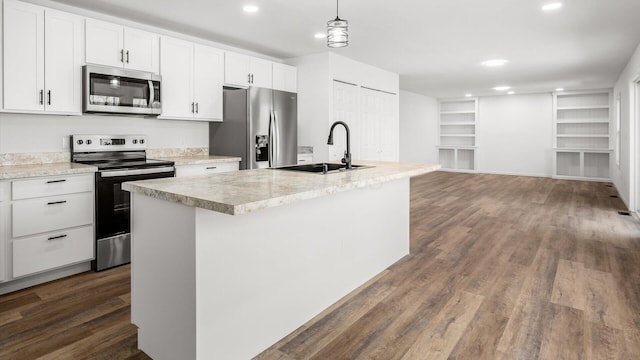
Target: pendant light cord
column 337, row 9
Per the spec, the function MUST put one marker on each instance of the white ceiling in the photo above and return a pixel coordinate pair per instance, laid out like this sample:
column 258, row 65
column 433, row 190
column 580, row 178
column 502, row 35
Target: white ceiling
column 435, row 45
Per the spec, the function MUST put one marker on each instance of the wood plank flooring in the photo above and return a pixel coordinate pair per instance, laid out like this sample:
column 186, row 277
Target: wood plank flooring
column 501, row 267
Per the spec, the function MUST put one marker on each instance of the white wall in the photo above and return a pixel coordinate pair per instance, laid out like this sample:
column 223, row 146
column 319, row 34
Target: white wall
column 44, row 133
column 515, row 134
column 624, row 176
column 418, row 128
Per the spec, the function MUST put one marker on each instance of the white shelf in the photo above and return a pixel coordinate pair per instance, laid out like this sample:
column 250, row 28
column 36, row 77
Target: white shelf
column 581, row 125
column 582, row 107
column 457, row 112
column 582, row 121
column 457, row 150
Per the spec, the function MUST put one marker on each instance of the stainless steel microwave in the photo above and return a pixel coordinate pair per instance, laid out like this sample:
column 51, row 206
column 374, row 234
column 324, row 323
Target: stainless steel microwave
column 120, row 91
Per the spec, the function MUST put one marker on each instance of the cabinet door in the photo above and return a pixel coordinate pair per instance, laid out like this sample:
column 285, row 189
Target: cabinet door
column 285, row 77
column 103, row 43
column 236, row 69
column 23, row 56
column 176, row 68
column 208, row 73
column 370, row 125
column 141, row 50
column 63, row 62
column 261, row 73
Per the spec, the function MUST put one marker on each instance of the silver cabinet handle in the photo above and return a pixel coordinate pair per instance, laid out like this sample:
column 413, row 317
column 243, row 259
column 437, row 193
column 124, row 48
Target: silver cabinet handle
column 249, row 78
column 197, row 107
column 41, row 97
column 127, row 56
column 193, row 107
column 57, row 202
column 49, row 97
column 58, row 237
column 56, row 181
column 122, row 55
column 252, row 78
column 212, row 167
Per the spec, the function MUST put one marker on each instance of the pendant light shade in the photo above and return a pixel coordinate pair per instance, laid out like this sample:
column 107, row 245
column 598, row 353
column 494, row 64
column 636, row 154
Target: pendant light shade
column 337, row 31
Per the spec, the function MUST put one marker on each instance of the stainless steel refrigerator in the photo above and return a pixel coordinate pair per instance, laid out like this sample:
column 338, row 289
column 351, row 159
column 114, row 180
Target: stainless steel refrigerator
column 259, row 125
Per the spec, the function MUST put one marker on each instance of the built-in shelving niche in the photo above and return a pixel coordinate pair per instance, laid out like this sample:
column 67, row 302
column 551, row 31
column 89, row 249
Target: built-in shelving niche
column 582, row 135
column 457, row 134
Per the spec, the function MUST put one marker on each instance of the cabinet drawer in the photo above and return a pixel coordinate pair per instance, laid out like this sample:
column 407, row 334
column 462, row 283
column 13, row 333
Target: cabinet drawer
column 203, row 169
column 51, row 186
column 52, row 213
column 48, row 251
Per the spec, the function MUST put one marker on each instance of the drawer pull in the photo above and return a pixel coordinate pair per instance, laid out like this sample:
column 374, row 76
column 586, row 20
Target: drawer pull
column 57, row 202
column 56, row 181
column 212, row 167
column 57, row 237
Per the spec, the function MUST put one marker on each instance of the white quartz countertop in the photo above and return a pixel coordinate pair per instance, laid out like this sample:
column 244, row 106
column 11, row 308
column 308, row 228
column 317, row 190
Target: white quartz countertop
column 24, row 171
column 199, row 159
column 242, row 192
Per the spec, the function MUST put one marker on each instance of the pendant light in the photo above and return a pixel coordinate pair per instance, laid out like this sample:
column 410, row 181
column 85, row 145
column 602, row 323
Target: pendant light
column 337, row 28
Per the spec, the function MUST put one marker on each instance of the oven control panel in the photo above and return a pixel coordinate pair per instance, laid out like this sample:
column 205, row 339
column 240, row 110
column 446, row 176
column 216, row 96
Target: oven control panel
column 84, row 143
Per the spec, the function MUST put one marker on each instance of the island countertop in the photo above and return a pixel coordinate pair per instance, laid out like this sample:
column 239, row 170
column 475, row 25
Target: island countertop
column 242, row 192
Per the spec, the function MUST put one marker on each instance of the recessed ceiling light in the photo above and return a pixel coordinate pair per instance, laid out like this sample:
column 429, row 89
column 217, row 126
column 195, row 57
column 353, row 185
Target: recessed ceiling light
column 502, row 88
column 494, row 62
column 511, row 92
column 552, row 6
column 250, row 8
column 560, row 89
column 320, row 35
column 468, row 95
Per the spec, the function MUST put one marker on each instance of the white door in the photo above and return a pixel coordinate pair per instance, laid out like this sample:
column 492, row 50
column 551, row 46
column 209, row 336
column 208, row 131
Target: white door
column 237, row 69
column 208, row 78
column 389, row 126
column 104, row 43
column 176, row 68
column 261, row 73
column 64, row 47
column 369, row 120
column 141, row 50
column 345, row 108
column 24, row 56
column 285, row 77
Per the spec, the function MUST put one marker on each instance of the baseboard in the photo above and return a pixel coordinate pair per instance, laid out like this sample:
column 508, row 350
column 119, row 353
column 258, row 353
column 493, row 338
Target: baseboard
column 23, row 283
column 514, row 173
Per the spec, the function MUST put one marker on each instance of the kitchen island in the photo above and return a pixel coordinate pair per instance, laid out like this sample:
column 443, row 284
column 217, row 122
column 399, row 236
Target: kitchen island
column 225, row 265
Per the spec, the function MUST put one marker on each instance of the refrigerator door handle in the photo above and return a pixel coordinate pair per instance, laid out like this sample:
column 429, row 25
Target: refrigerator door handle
column 271, row 139
column 276, row 131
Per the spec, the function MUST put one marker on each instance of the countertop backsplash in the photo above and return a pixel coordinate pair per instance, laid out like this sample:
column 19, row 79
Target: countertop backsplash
column 9, row 159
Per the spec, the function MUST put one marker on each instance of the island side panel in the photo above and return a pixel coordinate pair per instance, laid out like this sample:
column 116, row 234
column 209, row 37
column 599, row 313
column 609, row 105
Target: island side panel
column 262, row 275
column 163, row 277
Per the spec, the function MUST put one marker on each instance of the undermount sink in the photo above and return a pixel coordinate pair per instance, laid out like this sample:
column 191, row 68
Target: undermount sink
column 322, row 168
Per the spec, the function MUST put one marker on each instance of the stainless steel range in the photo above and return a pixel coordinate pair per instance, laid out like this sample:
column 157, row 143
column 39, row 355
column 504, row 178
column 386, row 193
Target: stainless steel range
column 119, row 158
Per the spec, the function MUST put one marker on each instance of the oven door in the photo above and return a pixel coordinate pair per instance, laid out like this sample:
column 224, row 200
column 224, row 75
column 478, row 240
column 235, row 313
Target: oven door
column 120, row 91
column 113, row 214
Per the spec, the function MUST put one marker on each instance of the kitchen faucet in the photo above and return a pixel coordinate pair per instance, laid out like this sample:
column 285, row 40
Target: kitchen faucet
column 347, row 154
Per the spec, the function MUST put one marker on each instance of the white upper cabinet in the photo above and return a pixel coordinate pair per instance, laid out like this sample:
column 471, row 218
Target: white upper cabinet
column 63, row 48
column 41, row 73
column 208, row 78
column 141, row 50
column 115, row 45
column 243, row 70
column 191, row 80
column 285, row 77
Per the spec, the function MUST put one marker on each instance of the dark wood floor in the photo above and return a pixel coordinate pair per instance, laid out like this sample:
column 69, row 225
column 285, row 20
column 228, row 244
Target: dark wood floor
column 501, row 268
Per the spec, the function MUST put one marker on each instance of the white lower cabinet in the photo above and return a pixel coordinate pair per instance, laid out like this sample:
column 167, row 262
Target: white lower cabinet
column 48, row 251
column 204, row 169
column 47, row 224
column 51, row 213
